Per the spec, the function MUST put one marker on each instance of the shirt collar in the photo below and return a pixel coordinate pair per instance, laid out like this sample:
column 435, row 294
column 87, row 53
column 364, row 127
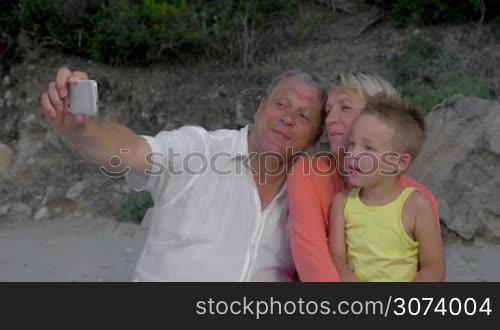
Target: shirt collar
column 240, row 150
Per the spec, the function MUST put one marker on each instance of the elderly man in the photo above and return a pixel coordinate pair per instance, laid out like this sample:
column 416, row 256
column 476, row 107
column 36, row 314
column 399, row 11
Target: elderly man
column 220, row 206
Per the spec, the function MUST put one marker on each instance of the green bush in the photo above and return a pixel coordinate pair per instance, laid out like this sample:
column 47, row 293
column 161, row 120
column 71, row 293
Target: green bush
column 141, row 31
column 415, row 61
column 405, row 12
column 434, row 11
column 42, row 22
column 9, row 22
column 150, row 31
column 428, row 96
column 134, row 207
column 427, row 75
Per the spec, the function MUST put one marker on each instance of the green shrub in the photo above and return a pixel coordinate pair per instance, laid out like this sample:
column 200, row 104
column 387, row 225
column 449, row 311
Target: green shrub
column 9, row 22
column 405, row 12
column 134, row 207
column 427, row 75
column 43, row 22
column 434, row 11
column 9, row 28
column 141, row 31
column 428, row 96
column 415, row 61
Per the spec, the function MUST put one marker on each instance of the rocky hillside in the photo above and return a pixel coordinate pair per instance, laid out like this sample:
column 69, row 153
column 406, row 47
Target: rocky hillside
column 41, row 179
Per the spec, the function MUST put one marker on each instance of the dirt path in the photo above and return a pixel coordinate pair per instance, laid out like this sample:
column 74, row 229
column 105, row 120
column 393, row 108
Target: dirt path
column 70, row 249
column 99, row 249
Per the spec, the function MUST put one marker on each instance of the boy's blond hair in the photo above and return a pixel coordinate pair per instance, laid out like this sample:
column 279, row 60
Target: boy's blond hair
column 406, row 119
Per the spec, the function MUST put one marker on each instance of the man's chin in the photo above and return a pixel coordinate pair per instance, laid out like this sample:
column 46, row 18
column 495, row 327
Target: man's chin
column 279, row 150
column 275, row 150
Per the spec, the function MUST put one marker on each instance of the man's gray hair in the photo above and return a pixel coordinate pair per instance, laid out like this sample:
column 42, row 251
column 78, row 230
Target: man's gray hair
column 311, row 79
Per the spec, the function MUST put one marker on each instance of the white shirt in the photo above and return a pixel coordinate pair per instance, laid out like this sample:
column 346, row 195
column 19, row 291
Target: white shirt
column 209, row 226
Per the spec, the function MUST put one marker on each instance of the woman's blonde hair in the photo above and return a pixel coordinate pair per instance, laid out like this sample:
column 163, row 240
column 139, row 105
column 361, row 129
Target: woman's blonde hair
column 365, row 84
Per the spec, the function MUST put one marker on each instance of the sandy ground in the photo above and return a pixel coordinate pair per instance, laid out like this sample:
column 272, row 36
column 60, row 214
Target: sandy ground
column 473, row 262
column 100, row 249
column 70, row 249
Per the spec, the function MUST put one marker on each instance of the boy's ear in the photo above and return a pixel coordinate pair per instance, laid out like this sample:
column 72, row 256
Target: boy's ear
column 404, row 161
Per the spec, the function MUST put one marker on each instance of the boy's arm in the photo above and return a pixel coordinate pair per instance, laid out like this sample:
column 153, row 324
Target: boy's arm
column 431, row 256
column 336, row 239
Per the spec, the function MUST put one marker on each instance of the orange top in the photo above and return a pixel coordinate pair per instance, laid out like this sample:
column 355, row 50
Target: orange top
column 311, row 188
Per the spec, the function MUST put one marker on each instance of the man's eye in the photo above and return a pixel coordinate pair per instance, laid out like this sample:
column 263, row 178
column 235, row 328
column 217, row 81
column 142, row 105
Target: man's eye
column 346, row 108
column 304, row 116
column 369, row 148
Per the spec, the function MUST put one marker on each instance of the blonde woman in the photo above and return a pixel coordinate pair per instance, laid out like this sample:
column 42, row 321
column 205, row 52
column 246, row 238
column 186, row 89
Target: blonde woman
column 315, row 181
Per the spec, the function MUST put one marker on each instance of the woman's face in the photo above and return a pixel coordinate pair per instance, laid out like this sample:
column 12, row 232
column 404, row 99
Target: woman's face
column 342, row 109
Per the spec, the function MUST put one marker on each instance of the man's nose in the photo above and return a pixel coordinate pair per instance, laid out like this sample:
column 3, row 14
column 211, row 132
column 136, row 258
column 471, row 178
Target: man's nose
column 288, row 118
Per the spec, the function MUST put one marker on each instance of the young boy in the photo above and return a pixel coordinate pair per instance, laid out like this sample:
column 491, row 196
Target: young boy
column 380, row 231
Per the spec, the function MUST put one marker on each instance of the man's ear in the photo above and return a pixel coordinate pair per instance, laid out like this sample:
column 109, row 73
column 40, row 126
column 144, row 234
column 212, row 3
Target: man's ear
column 261, row 104
column 404, row 161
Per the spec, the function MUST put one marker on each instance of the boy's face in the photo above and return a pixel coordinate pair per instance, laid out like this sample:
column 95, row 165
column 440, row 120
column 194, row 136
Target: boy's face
column 370, row 153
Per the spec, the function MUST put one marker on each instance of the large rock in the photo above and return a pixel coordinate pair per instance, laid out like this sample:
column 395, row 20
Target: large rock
column 460, row 164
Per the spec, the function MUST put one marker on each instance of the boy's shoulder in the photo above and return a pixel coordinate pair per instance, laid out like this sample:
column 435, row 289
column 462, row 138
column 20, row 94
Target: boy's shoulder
column 418, row 203
column 419, row 199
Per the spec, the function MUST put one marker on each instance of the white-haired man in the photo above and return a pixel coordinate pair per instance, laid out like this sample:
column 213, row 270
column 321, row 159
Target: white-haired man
column 214, row 219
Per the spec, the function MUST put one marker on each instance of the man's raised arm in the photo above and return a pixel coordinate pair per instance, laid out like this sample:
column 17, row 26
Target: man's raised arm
column 93, row 140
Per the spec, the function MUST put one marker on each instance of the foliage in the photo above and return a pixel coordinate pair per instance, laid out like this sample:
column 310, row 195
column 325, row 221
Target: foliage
column 140, row 31
column 427, row 76
column 134, row 207
column 428, row 96
column 405, row 12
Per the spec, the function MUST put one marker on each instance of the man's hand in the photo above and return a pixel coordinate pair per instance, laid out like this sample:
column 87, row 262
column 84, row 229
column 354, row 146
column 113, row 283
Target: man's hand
column 94, row 140
column 55, row 103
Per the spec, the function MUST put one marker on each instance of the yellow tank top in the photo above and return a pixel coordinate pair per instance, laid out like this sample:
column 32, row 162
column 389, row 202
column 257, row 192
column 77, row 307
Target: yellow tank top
column 378, row 247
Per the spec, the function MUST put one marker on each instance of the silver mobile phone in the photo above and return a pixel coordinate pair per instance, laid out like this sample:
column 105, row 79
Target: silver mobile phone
column 83, row 97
